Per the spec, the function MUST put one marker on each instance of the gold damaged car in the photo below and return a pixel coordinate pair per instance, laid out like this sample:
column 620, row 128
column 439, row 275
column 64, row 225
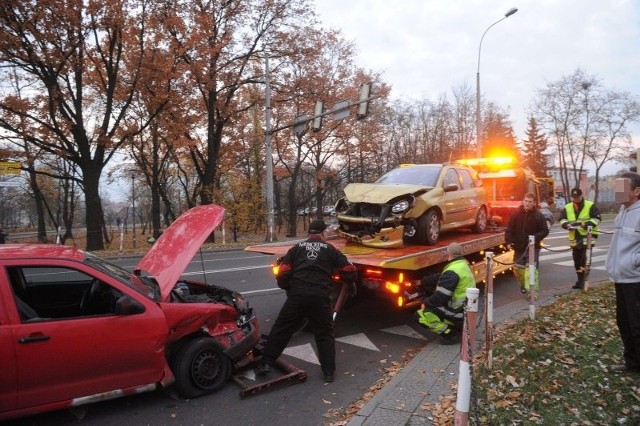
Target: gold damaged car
column 412, row 204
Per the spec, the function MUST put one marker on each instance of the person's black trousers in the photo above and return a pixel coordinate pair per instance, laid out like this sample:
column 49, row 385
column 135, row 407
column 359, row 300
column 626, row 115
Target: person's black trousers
column 628, row 320
column 580, row 261
column 319, row 312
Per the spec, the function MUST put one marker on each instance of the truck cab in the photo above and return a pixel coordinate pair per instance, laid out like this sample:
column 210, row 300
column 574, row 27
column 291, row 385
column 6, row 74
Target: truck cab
column 506, row 182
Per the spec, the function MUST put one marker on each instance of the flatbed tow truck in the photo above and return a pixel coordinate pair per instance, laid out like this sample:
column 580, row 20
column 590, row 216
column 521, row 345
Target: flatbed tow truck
column 393, row 273
column 396, row 273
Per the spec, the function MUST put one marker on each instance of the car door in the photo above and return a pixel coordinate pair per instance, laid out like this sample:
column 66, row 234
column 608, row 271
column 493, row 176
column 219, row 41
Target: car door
column 70, row 354
column 455, row 205
column 8, row 377
column 470, row 199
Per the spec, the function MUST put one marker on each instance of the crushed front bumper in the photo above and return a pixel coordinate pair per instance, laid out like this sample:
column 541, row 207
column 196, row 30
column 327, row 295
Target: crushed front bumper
column 386, row 238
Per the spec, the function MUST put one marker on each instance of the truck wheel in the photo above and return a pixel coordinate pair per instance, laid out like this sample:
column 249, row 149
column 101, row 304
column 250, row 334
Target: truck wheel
column 201, row 367
column 428, row 228
column 481, row 221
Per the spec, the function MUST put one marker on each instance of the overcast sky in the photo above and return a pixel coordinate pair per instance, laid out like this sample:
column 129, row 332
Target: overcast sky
column 424, row 48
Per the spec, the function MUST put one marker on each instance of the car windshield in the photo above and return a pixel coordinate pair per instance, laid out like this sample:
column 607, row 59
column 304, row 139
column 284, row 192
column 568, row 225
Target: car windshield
column 422, row 175
column 146, row 287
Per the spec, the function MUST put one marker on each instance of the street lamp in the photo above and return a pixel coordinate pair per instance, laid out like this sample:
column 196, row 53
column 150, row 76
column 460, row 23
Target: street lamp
column 478, row 119
column 269, row 155
column 133, row 207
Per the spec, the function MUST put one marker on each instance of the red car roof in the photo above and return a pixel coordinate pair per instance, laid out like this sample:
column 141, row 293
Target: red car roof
column 48, row 251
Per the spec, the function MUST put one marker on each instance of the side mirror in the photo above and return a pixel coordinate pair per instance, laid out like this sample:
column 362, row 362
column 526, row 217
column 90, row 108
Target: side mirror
column 451, row 187
column 127, row 306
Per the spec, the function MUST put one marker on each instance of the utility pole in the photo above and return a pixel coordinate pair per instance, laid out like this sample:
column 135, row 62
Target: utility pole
column 133, row 208
column 269, row 155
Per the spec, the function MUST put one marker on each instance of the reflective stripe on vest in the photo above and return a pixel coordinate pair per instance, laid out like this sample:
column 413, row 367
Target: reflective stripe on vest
column 466, row 280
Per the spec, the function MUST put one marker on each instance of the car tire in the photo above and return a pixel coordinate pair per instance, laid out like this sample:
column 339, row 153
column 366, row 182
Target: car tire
column 428, row 228
column 201, row 367
column 481, row 221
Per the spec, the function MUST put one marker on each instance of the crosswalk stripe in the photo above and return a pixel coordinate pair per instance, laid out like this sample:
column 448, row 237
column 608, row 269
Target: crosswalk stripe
column 567, row 253
column 593, row 260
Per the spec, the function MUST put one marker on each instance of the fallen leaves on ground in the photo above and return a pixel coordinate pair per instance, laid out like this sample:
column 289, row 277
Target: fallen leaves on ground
column 555, row 369
column 341, row 416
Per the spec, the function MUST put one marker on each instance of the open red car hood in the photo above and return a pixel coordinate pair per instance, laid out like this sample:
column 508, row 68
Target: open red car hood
column 170, row 255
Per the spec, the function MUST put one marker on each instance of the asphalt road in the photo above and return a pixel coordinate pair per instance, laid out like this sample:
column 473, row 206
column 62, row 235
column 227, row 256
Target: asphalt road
column 371, row 334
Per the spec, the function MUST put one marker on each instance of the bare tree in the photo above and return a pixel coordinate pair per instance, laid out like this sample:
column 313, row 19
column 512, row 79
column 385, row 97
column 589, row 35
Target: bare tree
column 586, row 122
column 613, row 138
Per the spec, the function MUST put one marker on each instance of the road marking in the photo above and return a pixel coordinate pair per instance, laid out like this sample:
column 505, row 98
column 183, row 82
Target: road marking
column 593, row 259
column 360, row 340
column 215, row 271
column 303, row 352
column 567, row 253
column 404, row 330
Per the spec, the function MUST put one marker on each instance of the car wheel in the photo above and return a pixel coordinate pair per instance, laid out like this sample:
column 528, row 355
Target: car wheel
column 201, row 367
column 481, row 221
column 428, row 228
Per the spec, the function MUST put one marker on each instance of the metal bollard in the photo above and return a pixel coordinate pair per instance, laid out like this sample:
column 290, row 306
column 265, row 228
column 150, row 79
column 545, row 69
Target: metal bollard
column 587, row 265
column 532, row 272
column 488, row 329
column 121, row 236
column 461, row 416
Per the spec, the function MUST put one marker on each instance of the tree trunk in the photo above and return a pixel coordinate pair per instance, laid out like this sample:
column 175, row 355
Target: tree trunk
column 93, row 203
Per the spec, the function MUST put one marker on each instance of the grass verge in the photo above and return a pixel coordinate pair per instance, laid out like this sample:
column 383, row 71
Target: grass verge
column 556, row 369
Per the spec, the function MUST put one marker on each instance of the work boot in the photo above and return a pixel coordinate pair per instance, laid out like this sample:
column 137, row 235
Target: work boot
column 328, row 376
column 450, row 336
column 579, row 285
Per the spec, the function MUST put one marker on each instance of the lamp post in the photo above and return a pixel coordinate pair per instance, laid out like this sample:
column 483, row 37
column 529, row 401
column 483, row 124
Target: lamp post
column 133, row 208
column 478, row 119
column 269, row 155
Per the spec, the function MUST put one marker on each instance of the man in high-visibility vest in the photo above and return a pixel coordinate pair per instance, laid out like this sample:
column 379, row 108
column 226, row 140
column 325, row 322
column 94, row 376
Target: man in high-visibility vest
column 576, row 217
column 443, row 312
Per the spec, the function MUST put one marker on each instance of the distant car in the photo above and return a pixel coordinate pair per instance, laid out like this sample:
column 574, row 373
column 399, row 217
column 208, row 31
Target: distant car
column 76, row 329
column 414, row 204
column 548, row 214
column 328, row 210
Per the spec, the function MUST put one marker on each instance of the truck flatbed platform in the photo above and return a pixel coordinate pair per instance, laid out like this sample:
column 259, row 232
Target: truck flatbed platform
column 409, row 257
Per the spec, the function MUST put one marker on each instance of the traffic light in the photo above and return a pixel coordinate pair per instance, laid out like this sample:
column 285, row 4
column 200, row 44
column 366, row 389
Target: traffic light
column 363, row 101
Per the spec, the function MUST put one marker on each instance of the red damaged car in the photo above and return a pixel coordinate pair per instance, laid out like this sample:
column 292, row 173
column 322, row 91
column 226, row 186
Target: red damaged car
column 75, row 329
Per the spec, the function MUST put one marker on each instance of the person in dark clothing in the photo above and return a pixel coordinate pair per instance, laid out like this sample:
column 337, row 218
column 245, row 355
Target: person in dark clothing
column 576, row 217
column 3, row 236
column 527, row 220
column 305, row 273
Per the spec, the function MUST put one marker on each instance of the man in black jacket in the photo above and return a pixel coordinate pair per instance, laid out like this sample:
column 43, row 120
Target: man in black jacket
column 305, row 273
column 527, row 220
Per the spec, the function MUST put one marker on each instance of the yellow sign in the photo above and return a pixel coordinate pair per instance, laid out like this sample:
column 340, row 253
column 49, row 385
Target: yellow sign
column 10, row 167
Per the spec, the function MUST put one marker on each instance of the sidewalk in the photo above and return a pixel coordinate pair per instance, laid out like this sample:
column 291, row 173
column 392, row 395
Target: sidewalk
column 429, row 376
